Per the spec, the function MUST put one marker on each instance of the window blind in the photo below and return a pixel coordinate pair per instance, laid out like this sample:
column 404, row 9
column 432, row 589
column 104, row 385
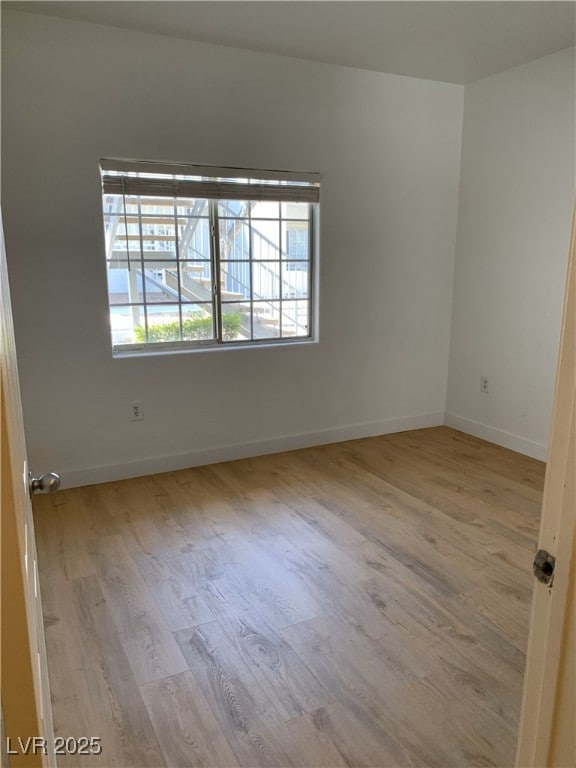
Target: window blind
column 164, row 180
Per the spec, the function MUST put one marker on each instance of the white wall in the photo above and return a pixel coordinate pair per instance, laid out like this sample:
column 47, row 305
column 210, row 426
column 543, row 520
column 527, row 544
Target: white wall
column 388, row 148
column 516, row 198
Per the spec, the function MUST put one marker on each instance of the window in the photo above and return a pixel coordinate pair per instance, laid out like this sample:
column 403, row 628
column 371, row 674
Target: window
column 207, row 256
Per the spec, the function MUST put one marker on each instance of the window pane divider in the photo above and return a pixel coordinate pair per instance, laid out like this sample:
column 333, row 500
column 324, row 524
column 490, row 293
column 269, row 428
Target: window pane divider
column 143, row 269
column 311, row 255
column 216, row 277
column 280, row 274
column 178, row 276
column 251, row 270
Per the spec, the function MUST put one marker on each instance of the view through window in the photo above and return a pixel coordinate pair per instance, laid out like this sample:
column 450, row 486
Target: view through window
column 200, row 256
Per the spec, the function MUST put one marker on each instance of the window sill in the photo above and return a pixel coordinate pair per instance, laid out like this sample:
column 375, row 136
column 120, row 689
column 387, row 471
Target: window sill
column 128, row 354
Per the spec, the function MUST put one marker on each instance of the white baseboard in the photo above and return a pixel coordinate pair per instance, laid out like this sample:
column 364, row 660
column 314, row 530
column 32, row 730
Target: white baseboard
column 498, row 436
column 74, row 478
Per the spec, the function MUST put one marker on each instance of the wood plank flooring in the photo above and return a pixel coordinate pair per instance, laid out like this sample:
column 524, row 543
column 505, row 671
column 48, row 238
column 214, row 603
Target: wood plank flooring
column 363, row 604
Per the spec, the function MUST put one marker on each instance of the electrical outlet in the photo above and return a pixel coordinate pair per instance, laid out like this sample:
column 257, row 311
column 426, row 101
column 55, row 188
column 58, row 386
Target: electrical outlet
column 136, row 411
column 484, row 384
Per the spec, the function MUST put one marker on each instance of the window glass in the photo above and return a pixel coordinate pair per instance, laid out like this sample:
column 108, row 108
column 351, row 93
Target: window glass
column 186, row 270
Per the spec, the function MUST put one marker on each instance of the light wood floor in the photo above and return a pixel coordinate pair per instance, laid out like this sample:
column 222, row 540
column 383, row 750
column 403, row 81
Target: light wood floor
column 358, row 604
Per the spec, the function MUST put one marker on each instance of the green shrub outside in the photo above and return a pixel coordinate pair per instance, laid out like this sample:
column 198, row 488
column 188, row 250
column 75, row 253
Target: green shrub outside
column 193, row 329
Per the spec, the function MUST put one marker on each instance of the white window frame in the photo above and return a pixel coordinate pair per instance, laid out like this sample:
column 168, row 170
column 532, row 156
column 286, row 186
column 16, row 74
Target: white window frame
column 216, row 185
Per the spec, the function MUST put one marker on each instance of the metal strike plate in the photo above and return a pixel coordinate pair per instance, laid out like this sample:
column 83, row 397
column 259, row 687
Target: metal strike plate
column 544, row 564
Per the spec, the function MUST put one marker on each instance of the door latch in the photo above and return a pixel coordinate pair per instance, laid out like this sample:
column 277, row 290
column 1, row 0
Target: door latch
column 46, row 483
column 544, row 564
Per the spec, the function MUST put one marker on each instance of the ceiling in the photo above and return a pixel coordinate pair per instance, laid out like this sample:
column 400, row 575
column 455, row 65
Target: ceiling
column 456, row 42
